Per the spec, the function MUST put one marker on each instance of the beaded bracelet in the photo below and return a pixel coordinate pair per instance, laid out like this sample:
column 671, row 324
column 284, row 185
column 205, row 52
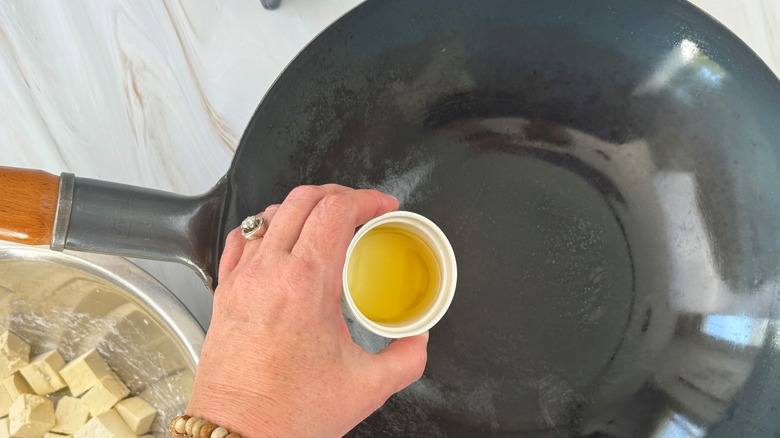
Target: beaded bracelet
column 194, row 427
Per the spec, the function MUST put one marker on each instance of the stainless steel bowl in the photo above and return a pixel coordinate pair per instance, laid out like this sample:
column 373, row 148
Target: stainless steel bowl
column 75, row 303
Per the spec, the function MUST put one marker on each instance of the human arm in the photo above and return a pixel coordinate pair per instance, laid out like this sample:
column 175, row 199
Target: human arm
column 278, row 359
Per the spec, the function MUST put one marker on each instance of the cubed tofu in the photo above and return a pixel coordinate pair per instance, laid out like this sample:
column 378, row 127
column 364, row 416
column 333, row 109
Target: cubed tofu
column 137, row 413
column 14, row 353
column 31, row 416
column 5, row 401
column 109, row 424
column 84, row 372
column 43, row 373
column 71, row 413
column 4, row 433
column 16, row 385
column 136, row 331
column 105, row 394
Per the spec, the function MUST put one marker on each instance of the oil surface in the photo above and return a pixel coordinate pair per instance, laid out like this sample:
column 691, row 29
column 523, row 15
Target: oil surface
column 393, row 275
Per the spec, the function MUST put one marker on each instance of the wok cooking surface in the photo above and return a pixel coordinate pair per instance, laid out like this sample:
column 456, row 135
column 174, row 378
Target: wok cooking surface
column 601, row 187
column 569, row 324
column 606, row 171
column 570, row 278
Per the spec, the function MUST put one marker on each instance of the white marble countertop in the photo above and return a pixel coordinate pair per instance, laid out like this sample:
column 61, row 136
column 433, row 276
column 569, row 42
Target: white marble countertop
column 156, row 93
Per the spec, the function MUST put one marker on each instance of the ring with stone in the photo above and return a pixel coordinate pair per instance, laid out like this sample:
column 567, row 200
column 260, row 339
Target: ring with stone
column 253, row 227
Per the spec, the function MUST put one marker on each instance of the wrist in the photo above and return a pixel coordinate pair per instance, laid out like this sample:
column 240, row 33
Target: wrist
column 248, row 415
column 226, row 395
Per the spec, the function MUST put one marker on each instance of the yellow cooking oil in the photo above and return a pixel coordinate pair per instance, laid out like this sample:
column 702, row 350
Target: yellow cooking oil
column 393, row 275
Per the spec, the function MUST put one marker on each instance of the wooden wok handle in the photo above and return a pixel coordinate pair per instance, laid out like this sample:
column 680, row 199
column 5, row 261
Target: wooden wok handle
column 28, row 203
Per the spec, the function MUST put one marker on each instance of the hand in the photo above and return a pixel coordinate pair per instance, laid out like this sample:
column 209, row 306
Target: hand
column 278, row 359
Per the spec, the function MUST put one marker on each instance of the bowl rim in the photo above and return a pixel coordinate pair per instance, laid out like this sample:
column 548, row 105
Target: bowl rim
column 143, row 288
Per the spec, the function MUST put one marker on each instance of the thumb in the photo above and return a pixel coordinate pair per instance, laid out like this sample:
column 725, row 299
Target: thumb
column 403, row 361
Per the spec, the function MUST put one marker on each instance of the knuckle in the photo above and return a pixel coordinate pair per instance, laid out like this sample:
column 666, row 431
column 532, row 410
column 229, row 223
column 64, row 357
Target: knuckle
column 304, row 192
column 335, row 203
column 233, row 237
column 420, row 360
column 380, row 388
column 305, row 268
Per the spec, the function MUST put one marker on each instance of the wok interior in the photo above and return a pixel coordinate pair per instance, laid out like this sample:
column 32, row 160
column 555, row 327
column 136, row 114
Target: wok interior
column 605, row 172
column 54, row 305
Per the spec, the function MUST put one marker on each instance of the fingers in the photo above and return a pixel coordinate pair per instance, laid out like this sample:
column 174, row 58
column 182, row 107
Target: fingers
column 322, row 218
column 401, row 363
column 331, row 226
column 236, row 246
column 253, row 245
column 293, row 213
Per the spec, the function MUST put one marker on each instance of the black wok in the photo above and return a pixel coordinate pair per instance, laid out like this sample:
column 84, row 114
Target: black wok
column 606, row 171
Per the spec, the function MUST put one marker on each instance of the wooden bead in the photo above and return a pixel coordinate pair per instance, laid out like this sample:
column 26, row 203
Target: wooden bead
column 188, row 426
column 171, row 427
column 178, row 424
column 196, row 427
column 219, row 432
column 206, row 429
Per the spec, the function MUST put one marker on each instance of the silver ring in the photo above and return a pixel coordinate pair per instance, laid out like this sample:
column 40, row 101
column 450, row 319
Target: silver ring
column 253, row 227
